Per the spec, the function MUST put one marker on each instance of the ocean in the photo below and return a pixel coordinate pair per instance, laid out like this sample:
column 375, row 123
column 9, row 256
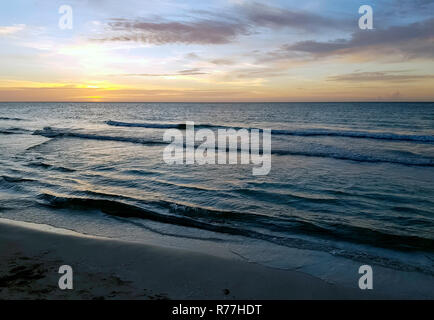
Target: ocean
column 350, row 183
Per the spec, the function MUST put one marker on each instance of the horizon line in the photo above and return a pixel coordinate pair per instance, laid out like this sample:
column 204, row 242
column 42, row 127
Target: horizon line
column 349, row 101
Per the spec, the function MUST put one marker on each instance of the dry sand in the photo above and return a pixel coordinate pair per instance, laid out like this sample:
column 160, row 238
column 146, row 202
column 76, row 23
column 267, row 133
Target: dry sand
column 111, row 269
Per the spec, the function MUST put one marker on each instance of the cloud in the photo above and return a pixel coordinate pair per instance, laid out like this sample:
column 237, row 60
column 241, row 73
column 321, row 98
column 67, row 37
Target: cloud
column 407, row 7
column 203, row 31
column 217, row 27
column 217, row 61
column 4, row 30
column 187, row 72
column 412, row 41
column 223, row 61
column 387, row 76
column 262, row 72
column 192, row 56
column 123, row 95
column 275, row 17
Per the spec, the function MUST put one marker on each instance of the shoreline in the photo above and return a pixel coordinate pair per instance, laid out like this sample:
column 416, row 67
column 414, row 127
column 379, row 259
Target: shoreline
column 114, row 269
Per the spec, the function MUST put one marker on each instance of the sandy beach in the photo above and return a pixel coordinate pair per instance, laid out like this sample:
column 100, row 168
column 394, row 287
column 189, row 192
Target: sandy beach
column 109, row 269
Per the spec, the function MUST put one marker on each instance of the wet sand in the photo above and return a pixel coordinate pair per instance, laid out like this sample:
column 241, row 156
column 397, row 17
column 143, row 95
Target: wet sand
column 111, row 269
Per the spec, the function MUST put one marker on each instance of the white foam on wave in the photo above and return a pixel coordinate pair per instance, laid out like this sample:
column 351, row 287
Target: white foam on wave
column 49, row 132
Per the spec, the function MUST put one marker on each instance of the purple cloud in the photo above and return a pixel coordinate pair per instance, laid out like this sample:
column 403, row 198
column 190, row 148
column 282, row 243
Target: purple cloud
column 191, row 32
column 413, row 40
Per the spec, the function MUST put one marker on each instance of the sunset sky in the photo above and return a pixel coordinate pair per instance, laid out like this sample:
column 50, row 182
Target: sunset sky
column 217, row 50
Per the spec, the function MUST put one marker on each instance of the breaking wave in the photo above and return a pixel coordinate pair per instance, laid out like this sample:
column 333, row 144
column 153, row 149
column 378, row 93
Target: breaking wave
column 323, row 151
column 11, row 119
column 247, row 225
column 14, row 131
column 295, row 132
column 327, row 152
column 48, row 132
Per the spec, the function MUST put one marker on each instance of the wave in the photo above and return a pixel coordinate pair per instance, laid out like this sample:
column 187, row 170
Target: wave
column 231, row 222
column 323, row 152
column 48, row 132
column 356, row 134
column 49, row 166
column 247, row 225
column 145, row 125
column 7, row 132
column 11, row 119
column 15, row 179
column 296, row 132
column 122, row 209
column 347, row 155
column 14, row 131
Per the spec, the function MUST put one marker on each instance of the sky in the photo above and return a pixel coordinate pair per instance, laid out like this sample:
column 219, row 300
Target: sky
column 216, row 51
